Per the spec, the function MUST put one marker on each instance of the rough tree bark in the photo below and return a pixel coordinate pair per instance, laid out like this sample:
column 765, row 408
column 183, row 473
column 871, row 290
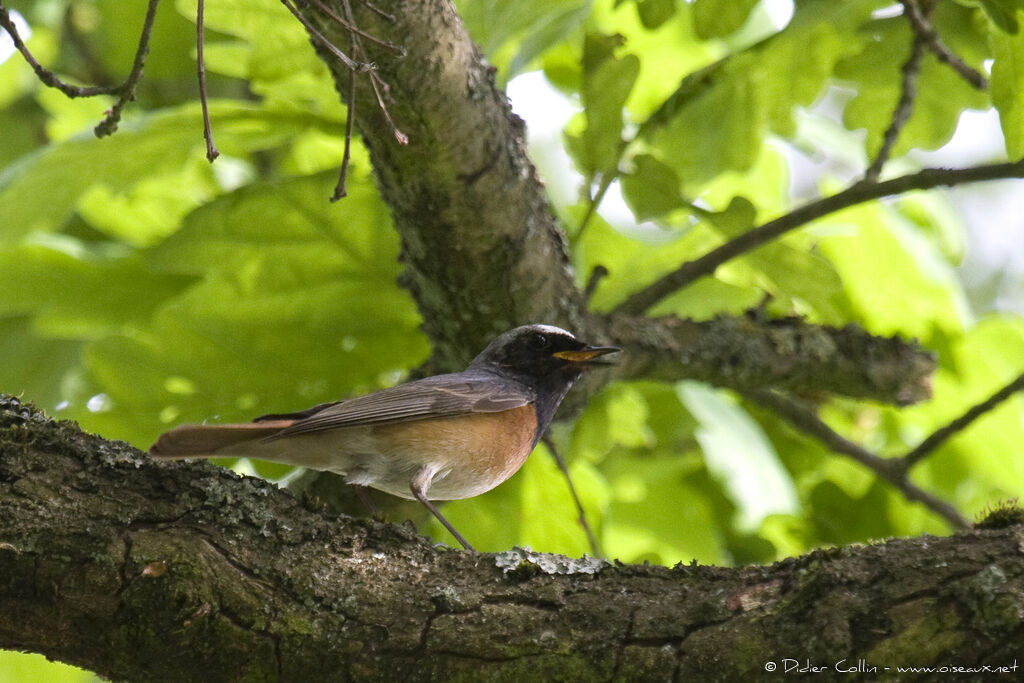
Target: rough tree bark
column 141, row 570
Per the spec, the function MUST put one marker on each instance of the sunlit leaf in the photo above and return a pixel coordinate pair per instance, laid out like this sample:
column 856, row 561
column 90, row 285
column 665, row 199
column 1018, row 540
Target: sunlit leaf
column 740, row 455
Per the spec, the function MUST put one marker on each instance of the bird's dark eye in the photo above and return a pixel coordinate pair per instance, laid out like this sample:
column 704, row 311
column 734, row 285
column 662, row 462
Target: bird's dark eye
column 537, row 341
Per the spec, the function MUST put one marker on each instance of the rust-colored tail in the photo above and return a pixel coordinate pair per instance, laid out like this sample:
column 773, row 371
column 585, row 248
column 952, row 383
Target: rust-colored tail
column 207, row 441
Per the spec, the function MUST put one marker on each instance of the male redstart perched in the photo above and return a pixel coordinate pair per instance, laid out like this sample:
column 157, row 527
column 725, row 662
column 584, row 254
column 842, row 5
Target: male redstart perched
column 439, row 438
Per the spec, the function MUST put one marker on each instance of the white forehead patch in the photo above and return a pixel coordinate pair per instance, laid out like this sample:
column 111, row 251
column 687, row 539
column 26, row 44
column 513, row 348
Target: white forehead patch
column 551, row 329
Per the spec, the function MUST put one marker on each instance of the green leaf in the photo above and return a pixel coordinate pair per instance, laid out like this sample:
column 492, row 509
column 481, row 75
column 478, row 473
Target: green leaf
column 512, row 33
column 736, row 218
column 278, row 317
column 652, row 189
column 170, row 47
column 875, row 72
column 980, row 464
column 36, row 367
column 23, row 666
column 1003, row 13
column 716, row 129
column 607, row 82
column 73, row 293
column 654, row 13
column 1008, row 88
column 739, row 454
column 795, row 66
column 719, row 18
column 871, row 249
column 659, row 511
column 43, row 190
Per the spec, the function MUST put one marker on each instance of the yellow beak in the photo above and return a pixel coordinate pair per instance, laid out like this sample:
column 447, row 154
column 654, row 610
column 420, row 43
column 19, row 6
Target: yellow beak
column 585, row 354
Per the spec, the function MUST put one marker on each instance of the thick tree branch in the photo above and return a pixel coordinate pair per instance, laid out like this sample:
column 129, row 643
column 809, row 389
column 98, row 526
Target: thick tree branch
column 790, row 354
column 150, row 571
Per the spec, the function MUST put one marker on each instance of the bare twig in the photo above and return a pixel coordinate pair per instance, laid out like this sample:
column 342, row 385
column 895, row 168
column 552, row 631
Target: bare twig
column 595, row 547
column 889, row 469
column 941, row 435
column 373, row 8
column 379, row 85
column 340, row 190
column 923, row 27
column 607, row 179
column 349, row 25
column 328, row 45
column 598, row 273
column 904, row 105
column 45, row 76
column 125, row 91
column 857, row 193
column 211, row 148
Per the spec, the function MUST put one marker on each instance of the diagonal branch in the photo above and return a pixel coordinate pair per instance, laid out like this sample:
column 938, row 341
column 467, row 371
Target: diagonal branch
column 923, row 28
column 891, row 470
column 563, row 467
column 943, row 434
column 855, row 194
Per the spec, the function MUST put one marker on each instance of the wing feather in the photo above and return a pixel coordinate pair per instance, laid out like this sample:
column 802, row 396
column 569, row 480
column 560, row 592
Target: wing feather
column 437, row 396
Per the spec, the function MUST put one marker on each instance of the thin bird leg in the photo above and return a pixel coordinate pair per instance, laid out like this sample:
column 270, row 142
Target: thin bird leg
column 365, row 499
column 418, row 486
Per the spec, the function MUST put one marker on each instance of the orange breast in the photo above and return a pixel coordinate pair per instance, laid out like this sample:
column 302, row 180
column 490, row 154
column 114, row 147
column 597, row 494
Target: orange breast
column 471, row 453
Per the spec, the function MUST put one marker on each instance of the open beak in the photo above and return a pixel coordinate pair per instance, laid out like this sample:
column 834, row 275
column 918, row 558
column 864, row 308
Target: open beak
column 587, row 354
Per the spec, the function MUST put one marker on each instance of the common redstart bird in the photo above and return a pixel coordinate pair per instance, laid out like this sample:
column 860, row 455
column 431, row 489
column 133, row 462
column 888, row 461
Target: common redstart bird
column 444, row 437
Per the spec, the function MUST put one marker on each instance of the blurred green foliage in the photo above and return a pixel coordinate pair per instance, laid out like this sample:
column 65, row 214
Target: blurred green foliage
column 144, row 287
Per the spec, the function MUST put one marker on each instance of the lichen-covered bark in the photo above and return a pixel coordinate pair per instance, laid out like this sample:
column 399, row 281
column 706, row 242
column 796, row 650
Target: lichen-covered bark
column 142, row 570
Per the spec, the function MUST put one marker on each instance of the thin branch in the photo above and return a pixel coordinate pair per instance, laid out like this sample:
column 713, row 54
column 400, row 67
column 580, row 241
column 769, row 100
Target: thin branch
column 943, row 434
column 923, row 28
column 904, row 105
column 340, row 190
column 125, row 91
column 378, row 85
column 350, row 26
column 595, row 201
column 45, row 76
column 378, row 11
column 597, row 274
column 889, row 469
column 211, row 148
column 595, row 548
column 328, row 45
column 857, row 193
